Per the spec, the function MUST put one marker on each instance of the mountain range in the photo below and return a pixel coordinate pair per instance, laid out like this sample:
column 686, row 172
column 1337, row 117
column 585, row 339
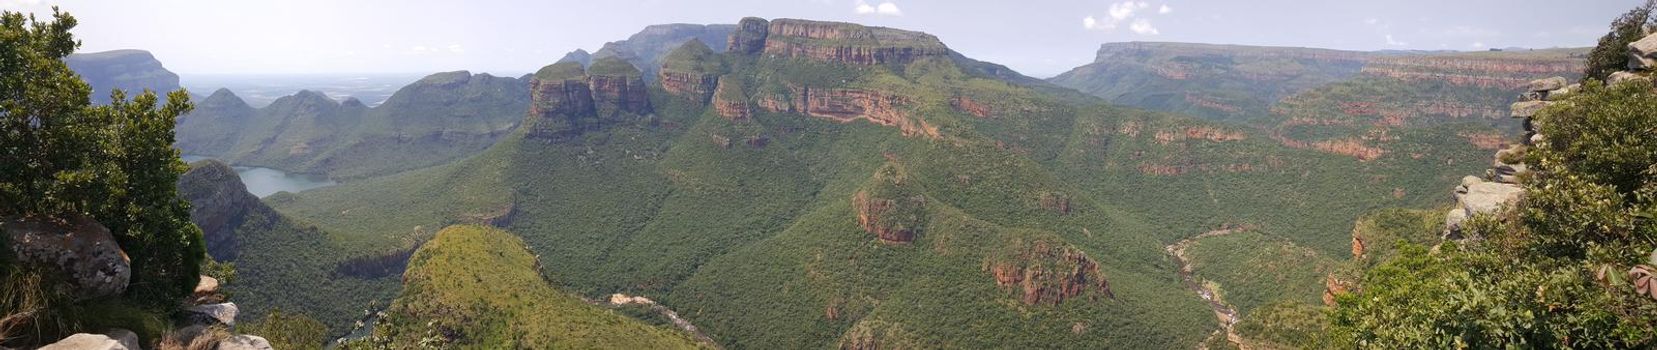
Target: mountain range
column 792, row 183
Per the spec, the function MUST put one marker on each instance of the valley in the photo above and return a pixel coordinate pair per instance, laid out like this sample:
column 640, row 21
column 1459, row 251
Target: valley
column 782, row 183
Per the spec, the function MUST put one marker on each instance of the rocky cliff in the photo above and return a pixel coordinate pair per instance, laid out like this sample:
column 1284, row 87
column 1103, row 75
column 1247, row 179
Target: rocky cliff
column 691, row 71
column 566, row 100
column 132, row 71
column 834, row 42
column 1049, row 273
column 219, row 205
column 890, row 206
column 649, row 47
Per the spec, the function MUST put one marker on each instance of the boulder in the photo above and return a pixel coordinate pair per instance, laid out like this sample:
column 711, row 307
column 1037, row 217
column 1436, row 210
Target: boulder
column 1560, row 93
column 1642, row 54
column 244, row 342
column 115, row 339
column 1453, row 220
column 1528, row 109
column 224, row 313
column 208, row 285
column 81, row 249
column 1536, row 139
column 1487, row 197
column 1620, row 77
column 1549, row 84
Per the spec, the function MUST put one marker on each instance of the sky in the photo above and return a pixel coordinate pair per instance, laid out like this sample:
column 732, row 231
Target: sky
column 1036, row 37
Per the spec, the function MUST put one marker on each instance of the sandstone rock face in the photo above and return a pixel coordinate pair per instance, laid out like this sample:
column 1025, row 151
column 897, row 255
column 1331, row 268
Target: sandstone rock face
column 1055, row 202
column 224, row 313
column 621, row 92
column 1050, row 273
column 847, row 105
column 561, row 102
column 969, row 106
column 83, row 251
column 729, row 101
column 849, row 43
column 749, row 37
column 1620, row 77
column 115, row 339
column 1642, row 54
column 244, row 342
column 696, row 86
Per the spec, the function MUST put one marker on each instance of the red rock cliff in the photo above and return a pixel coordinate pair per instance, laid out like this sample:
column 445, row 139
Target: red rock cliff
column 1050, row 273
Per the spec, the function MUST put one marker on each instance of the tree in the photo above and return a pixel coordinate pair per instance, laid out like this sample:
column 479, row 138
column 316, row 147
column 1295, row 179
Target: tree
column 1611, row 55
column 60, row 156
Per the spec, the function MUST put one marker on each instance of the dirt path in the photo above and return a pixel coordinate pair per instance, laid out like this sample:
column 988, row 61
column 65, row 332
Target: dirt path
column 1222, row 311
column 683, row 324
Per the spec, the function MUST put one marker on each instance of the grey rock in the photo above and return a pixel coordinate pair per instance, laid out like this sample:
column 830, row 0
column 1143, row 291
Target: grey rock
column 1537, row 139
column 1560, row 93
column 1528, row 109
column 222, row 313
column 1642, row 54
column 1453, row 219
column 116, row 339
column 81, row 249
column 1549, row 84
column 1619, row 77
column 244, row 342
column 1487, row 197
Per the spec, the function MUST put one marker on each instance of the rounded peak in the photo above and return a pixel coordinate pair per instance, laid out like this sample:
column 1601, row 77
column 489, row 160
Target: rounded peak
column 561, row 71
column 223, row 97
column 693, row 55
column 353, row 102
column 612, row 66
column 446, row 78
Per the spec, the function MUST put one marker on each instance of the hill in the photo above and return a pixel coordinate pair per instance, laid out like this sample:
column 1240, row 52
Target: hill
column 132, row 71
column 435, row 120
column 478, row 287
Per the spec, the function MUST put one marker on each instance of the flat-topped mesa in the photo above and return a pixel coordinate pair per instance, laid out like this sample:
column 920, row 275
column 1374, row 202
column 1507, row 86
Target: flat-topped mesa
column 835, row 42
column 691, row 71
column 566, row 100
column 561, row 102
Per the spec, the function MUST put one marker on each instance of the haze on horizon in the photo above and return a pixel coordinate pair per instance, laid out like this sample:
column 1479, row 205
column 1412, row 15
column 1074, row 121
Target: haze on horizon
column 1041, row 38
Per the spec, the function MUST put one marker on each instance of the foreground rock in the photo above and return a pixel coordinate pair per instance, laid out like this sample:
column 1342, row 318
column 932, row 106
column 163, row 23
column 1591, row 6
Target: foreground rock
column 84, row 252
column 1642, row 54
column 244, row 342
column 115, row 339
column 224, row 313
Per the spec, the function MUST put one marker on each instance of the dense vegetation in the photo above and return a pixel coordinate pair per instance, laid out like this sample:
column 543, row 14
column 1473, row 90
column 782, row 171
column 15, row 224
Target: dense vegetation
column 477, row 287
column 63, row 159
column 1567, row 267
column 1611, row 54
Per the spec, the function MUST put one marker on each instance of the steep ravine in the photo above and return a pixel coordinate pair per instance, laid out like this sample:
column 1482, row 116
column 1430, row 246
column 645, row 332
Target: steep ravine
column 1226, row 314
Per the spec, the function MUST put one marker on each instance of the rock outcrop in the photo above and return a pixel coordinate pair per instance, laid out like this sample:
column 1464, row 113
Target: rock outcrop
column 729, row 100
column 749, row 36
column 1475, row 196
column 82, row 251
column 1050, row 273
column 1642, row 54
column 848, row 105
column 691, row 71
column 969, row 106
column 833, row 42
column 115, row 339
column 223, row 313
column 890, row 207
column 566, row 100
column 219, row 204
column 244, row 342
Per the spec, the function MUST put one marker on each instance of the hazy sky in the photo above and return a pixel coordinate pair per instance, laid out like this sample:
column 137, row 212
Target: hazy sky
column 1037, row 37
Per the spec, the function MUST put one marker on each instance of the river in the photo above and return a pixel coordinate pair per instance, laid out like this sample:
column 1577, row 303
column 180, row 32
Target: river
column 263, row 182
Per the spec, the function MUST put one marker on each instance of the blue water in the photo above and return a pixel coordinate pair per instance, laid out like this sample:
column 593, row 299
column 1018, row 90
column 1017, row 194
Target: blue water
column 263, row 182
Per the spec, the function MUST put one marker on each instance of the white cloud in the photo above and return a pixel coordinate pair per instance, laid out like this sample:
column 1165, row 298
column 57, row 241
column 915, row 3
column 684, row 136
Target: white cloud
column 1123, row 10
column 455, row 48
column 1129, row 13
column 12, row 4
column 1478, row 44
column 1143, row 27
column 885, row 8
column 1392, row 42
column 1371, row 21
